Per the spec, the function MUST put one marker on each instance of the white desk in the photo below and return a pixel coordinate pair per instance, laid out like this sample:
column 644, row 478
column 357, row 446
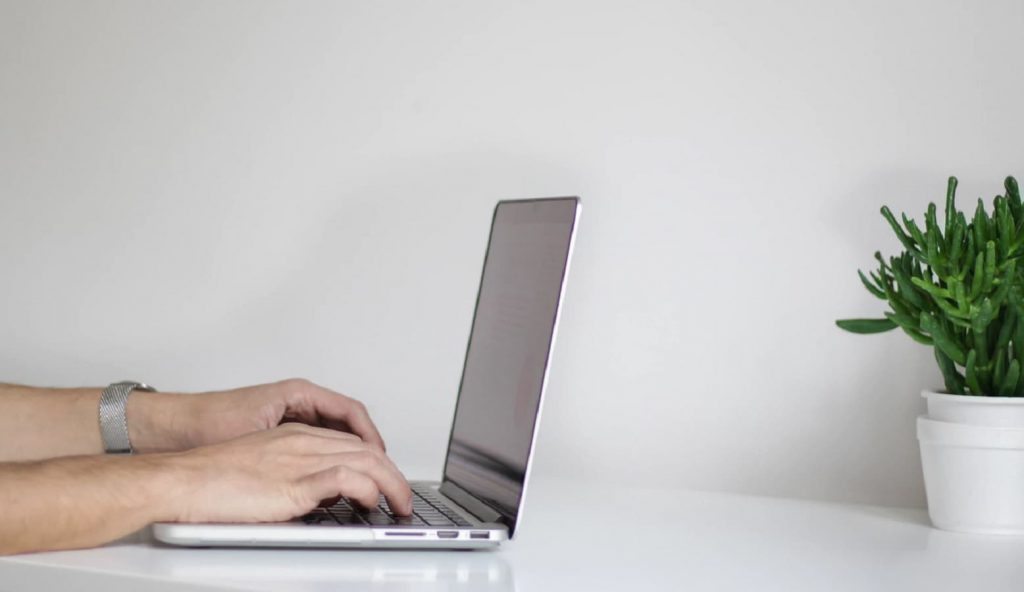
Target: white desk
column 578, row 538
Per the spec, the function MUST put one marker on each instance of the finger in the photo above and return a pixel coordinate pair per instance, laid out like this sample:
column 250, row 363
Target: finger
column 306, row 441
column 309, row 433
column 335, row 407
column 378, row 467
column 340, row 480
column 310, row 439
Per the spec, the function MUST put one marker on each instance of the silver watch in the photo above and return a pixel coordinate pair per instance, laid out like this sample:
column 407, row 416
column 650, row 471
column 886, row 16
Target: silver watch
column 113, row 424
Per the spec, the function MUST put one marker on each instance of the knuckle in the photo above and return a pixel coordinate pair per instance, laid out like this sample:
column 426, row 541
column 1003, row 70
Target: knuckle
column 297, row 384
column 352, row 484
column 297, row 438
column 342, row 475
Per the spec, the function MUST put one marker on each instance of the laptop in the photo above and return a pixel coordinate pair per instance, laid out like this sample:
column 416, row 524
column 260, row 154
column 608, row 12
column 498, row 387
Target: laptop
column 479, row 499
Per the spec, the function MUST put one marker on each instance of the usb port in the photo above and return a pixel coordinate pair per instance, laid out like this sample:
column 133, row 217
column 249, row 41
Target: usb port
column 479, row 535
column 447, row 534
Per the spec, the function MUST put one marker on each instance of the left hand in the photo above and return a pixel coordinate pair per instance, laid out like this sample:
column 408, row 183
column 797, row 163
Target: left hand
column 164, row 422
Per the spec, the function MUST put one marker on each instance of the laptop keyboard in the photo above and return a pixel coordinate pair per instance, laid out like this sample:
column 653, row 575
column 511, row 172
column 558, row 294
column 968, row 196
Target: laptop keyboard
column 428, row 509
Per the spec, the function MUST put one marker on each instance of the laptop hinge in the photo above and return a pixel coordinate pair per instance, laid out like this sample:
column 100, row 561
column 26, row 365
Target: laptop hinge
column 479, row 509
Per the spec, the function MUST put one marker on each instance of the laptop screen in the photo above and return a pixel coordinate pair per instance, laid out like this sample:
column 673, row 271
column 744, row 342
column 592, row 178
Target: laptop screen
column 509, row 346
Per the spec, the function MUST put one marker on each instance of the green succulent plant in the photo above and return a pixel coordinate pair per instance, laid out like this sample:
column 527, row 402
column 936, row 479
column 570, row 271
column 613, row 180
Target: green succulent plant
column 959, row 288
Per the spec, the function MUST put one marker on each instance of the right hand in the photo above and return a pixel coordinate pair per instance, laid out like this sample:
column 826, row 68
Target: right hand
column 278, row 474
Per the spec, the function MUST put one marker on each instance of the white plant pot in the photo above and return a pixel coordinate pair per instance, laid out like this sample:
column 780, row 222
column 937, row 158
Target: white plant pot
column 972, row 453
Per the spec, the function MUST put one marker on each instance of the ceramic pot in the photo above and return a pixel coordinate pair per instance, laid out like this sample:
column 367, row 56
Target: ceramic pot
column 972, row 453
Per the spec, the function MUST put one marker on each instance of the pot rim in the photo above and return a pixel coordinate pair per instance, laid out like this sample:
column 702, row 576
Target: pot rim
column 978, row 399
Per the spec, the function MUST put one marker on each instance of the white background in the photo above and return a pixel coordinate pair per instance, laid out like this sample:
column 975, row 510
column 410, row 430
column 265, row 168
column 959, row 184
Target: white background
column 209, row 194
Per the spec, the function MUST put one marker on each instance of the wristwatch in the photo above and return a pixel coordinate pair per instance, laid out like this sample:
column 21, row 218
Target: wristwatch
column 113, row 425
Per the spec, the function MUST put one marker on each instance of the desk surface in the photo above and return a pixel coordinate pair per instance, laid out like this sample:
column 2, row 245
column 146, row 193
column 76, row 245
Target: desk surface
column 578, row 537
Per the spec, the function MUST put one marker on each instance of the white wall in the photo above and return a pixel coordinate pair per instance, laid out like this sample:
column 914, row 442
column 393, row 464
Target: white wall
column 206, row 194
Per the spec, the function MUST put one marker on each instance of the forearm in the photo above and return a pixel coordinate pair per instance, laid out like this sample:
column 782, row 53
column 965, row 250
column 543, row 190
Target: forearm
column 41, row 423
column 81, row 502
column 44, row 423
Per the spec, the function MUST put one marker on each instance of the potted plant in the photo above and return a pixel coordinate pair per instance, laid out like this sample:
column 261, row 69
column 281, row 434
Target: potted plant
column 958, row 287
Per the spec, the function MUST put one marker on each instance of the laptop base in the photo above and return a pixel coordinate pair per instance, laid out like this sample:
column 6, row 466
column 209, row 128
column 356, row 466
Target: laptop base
column 330, row 534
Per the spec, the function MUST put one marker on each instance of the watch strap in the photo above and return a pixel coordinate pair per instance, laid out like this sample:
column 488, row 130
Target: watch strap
column 113, row 419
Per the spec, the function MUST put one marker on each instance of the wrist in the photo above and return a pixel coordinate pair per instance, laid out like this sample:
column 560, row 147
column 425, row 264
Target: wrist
column 158, row 422
column 179, row 478
column 167, row 481
column 147, row 488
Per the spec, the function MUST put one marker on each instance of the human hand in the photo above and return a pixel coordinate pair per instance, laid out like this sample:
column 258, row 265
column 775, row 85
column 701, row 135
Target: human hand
column 270, row 475
column 160, row 422
column 277, row 474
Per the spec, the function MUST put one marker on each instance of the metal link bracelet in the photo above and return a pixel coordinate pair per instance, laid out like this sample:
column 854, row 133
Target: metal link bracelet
column 113, row 420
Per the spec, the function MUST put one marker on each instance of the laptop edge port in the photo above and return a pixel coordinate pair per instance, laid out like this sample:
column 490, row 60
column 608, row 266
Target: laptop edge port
column 447, row 534
column 480, row 535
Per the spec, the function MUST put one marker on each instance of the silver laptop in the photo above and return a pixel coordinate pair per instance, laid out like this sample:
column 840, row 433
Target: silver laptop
column 479, row 500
